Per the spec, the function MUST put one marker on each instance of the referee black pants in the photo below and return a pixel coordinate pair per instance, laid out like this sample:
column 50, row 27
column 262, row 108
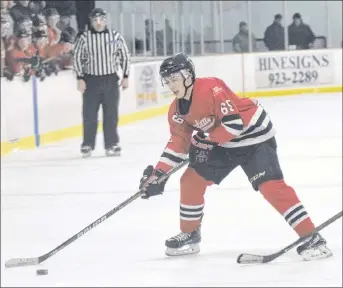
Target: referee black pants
column 104, row 91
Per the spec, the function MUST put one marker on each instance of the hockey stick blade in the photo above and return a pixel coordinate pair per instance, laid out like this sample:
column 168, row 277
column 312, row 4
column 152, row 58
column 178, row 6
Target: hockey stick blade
column 246, row 258
column 18, row 262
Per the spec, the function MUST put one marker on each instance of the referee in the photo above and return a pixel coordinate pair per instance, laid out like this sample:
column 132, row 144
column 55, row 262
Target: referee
column 97, row 54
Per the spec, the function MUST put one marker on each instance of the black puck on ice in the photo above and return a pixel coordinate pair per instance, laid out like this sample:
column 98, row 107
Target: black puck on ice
column 42, row 272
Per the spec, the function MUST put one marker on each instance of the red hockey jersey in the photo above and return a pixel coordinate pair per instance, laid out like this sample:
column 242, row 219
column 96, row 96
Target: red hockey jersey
column 229, row 120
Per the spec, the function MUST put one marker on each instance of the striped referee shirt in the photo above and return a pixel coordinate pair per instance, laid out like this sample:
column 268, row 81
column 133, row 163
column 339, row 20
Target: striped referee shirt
column 100, row 53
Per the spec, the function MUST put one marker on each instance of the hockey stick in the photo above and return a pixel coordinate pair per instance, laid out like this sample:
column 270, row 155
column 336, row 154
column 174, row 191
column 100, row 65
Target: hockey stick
column 258, row 259
column 17, row 262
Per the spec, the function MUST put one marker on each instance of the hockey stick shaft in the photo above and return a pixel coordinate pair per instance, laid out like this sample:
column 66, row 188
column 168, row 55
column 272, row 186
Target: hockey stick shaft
column 17, row 262
column 256, row 259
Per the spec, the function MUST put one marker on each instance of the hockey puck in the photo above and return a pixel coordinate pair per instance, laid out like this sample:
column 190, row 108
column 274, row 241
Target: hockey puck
column 42, row 272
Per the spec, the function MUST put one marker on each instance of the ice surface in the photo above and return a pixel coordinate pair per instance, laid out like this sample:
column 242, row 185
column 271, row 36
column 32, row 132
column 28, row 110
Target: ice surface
column 49, row 194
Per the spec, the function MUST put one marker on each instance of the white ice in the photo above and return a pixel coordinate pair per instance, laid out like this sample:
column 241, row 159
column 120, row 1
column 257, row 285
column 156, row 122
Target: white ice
column 49, row 194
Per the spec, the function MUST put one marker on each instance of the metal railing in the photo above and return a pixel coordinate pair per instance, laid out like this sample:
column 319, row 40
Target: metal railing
column 199, row 31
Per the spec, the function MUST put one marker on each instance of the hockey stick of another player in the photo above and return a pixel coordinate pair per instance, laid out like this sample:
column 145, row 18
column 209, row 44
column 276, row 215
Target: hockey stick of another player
column 257, row 259
column 17, row 262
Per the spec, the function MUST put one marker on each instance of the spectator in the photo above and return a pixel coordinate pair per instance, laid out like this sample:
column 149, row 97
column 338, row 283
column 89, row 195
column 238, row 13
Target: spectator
column 64, row 22
column 64, row 48
column 25, row 24
column 52, row 19
column 274, row 36
column 23, row 48
column 6, row 6
column 46, row 53
column 5, row 27
column 241, row 41
column 65, row 25
column 64, row 8
column 300, row 34
column 37, row 7
column 40, row 41
column 19, row 11
column 4, row 31
column 39, row 23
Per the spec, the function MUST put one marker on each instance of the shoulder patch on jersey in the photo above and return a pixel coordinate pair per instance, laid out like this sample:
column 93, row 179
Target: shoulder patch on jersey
column 216, row 90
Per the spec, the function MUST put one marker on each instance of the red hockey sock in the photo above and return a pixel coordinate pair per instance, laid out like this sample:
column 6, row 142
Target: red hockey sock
column 193, row 188
column 284, row 199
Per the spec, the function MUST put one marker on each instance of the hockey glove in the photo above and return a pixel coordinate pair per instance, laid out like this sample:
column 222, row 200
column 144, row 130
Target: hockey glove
column 201, row 149
column 148, row 182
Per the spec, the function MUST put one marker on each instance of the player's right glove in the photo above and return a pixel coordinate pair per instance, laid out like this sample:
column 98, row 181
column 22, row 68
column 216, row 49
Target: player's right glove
column 148, row 182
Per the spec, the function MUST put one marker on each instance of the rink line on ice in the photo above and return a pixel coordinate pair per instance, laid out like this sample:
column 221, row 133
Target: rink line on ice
column 76, row 131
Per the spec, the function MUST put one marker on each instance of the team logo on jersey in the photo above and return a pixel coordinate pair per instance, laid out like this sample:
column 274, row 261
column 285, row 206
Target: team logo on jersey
column 216, row 90
column 204, row 124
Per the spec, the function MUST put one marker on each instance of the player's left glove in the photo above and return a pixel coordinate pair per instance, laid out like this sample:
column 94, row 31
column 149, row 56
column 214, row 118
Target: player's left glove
column 201, row 149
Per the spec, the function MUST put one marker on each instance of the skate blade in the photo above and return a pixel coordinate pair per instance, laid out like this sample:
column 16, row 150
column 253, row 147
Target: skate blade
column 186, row 250
column 113, row 154
column 86, row 155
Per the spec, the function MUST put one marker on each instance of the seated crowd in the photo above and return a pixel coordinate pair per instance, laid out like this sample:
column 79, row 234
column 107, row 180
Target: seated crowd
column 33, row 30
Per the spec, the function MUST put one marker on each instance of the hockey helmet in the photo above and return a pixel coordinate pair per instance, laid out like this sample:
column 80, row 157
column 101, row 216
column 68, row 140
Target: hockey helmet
column 177, row 63
column 96, row 15
column 68, row 35
column 40, row 37
column 98, row 12
column 24, row 38
column 25, row 23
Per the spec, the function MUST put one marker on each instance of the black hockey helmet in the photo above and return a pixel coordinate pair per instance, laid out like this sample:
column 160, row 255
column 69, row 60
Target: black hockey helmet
column 98, row 12
column 177, row 63
column 68, row 35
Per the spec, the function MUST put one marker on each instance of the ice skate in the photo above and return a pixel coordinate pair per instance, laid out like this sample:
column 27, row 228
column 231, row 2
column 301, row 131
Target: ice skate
column 184, row 243
column 86, row 151
column 314, row 248
column 113, row 151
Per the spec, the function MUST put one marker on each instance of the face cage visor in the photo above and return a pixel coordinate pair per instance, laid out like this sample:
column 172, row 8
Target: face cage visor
column 102, row 19
column 177, row 76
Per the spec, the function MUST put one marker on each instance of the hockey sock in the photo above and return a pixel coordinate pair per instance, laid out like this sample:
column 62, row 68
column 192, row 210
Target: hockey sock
column 193, row 188
column 284, row 199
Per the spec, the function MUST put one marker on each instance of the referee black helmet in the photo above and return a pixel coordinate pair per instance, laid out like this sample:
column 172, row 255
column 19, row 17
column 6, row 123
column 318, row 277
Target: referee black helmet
column 98, row 19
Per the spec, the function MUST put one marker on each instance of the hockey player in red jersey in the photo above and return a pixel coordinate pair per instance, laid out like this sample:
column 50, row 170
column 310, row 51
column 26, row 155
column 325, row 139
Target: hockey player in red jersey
column 230, row 132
